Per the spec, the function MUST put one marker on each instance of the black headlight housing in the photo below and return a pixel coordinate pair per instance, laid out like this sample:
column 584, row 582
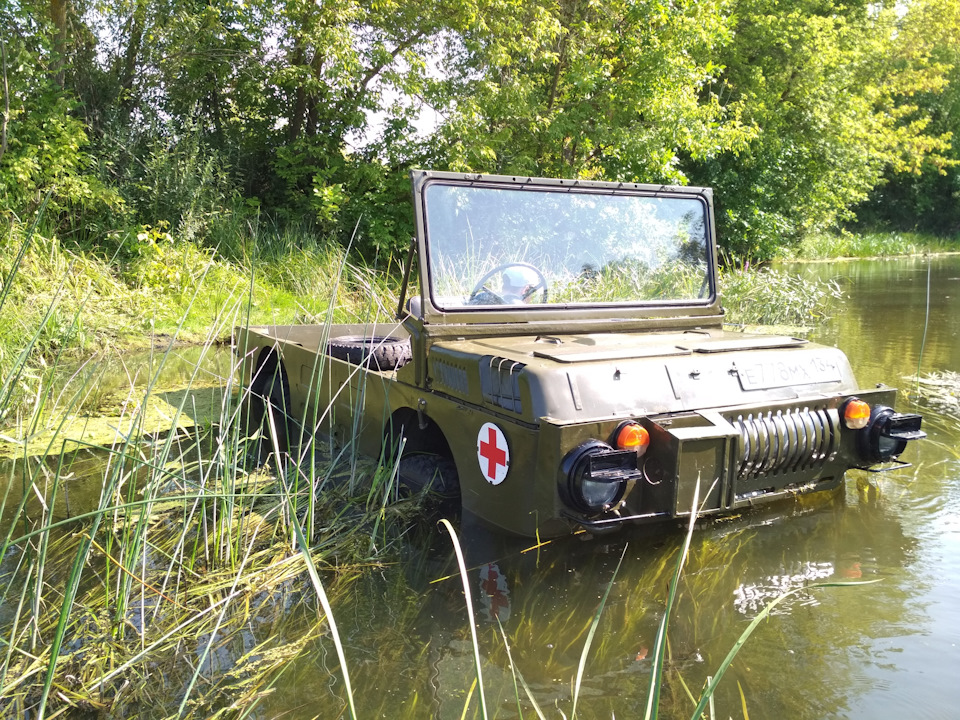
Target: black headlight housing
column 887, row 433
column 594, row 476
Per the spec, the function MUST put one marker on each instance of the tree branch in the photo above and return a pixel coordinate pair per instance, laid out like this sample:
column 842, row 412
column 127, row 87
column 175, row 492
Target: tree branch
column 377, row 69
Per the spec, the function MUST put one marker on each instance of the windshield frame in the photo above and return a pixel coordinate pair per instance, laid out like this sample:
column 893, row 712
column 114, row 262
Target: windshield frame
column 434, row 310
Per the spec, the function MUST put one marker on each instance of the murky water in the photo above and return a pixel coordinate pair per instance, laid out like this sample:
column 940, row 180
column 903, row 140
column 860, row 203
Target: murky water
column 96, row 404
column 887, row 649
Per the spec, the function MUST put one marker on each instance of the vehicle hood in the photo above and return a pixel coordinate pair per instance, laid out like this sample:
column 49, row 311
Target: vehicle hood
column 588, row 376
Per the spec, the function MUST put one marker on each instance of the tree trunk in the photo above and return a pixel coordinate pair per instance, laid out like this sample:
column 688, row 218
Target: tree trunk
column 131, row 57
column 58, row 15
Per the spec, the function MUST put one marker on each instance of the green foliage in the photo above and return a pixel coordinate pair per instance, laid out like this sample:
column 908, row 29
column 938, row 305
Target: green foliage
column 181, row 182
column 774, row 297
column 615, row 90
column 829, row 89
column 214, row 115
column 926, row 197
column 43, row 144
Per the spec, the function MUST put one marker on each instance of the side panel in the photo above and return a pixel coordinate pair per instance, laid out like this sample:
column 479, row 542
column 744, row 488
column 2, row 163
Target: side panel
column 525, row 500
column 330, row 396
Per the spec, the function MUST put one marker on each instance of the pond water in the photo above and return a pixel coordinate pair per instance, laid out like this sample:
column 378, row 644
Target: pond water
column 886, row 649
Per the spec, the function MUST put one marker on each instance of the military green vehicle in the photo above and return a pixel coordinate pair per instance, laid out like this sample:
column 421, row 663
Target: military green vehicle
column 559, row 361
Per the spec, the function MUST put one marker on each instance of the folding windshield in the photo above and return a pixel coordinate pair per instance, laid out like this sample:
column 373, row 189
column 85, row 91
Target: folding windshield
column 493, row 246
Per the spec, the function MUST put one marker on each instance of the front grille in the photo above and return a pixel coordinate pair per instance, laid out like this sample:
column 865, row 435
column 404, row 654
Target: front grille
column 787, row 440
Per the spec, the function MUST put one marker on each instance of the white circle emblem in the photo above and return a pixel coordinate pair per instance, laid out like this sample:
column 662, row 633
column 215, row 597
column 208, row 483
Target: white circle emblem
column 493, row 453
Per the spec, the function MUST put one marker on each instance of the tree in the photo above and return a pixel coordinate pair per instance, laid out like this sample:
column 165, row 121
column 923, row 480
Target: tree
column 926, row 196
column 582, row 88
column 828, row 88
column 44, row 145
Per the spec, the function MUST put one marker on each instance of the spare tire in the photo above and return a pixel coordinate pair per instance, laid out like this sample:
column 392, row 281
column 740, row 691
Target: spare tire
column 376, row 352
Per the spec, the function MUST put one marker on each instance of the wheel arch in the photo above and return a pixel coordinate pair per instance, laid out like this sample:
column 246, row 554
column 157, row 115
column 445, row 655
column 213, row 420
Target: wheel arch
column 406, row 422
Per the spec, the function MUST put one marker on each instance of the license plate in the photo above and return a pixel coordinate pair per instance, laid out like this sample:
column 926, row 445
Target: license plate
column 783, row 373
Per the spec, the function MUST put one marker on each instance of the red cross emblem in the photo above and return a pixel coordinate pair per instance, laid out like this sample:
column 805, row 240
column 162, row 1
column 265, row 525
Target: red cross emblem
column 493, row 453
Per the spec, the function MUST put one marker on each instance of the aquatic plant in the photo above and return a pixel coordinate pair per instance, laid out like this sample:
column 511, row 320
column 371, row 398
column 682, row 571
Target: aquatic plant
column 941, row 390
column 193, row 534
column 768, row 296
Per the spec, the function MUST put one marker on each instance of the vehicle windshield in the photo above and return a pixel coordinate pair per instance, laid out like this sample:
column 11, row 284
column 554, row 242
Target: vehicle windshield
column 497, row 245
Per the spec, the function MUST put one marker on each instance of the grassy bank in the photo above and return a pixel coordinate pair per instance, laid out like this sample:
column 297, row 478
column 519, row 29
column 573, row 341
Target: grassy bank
column 60, row 303
column 869, row 244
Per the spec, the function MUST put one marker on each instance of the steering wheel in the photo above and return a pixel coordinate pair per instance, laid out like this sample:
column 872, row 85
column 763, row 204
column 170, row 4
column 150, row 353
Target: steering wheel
column 481, row 286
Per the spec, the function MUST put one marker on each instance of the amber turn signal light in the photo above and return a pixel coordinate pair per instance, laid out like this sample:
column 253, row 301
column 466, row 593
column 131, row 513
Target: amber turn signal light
column 856, row 414
column 633, row 436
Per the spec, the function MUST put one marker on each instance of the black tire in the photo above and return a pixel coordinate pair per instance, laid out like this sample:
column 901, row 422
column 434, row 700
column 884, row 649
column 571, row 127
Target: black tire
column 434, row 473
column 270, row 393
column 377, row 352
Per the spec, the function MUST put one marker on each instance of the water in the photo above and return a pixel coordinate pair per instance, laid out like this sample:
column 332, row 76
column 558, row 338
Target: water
column 98, row 401
column 887, row 649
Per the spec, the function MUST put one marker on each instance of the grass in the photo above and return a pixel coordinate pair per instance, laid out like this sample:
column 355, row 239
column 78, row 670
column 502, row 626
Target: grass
column 187, row 550
column 772, row 297
column 193, row 542
column 78, row 303
column 846, row 244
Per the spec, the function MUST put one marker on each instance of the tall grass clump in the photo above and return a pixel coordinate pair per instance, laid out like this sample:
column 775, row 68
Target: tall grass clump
column 188, row 584
column 768, row 296
column 848, row 244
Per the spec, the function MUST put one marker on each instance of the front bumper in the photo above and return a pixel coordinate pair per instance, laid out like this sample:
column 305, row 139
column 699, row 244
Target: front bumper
column 745, row 455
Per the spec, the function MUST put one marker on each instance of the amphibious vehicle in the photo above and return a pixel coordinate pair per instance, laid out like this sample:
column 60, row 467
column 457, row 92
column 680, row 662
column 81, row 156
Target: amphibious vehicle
column 559, row 361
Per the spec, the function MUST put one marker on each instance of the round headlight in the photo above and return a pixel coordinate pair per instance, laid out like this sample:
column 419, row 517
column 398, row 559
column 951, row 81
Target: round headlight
column 584, row 490
column 874, row 442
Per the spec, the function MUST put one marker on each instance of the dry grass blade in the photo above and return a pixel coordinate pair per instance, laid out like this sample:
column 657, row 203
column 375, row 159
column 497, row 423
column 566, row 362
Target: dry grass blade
column 469, row 601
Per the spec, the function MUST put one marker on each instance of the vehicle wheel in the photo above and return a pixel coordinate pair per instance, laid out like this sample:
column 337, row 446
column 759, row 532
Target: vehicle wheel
column 378, row 352
column 270, row 393
column 435, row 473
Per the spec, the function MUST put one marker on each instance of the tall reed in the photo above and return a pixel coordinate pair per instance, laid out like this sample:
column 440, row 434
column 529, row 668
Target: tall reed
column 194, row 534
